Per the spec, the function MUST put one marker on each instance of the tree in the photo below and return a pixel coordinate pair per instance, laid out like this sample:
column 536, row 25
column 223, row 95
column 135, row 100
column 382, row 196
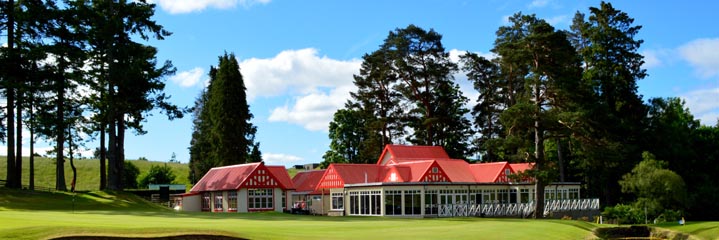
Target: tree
column 173, row 158
column 349, row 137
column 231, row 130
column 436, row 106
column 485, row 76
column 158, row 175
column 552, row 67
column 657, row 189
column 129, row 177
column 128, row 82
column 613, row 117
column 222, row 132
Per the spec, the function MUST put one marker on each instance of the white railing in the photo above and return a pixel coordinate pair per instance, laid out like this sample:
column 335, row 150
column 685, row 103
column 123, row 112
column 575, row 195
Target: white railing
column 515, row 209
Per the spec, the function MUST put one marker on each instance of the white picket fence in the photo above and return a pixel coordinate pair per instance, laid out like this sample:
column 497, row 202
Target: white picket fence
column 515, row 209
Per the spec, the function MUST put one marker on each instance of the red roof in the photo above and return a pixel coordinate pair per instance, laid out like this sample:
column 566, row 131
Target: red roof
column 280, row 172
column 307, row 181
column 489, row 172
column 457, row 170
column 242, row 175
column 521, row 167
column 401, row 153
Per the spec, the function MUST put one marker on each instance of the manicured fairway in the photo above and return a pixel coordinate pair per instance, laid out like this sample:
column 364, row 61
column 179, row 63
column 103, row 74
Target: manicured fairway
column 703, row 230
column 35, row 215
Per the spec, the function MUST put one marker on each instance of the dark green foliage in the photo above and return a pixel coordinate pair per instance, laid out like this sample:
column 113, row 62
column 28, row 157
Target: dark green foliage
column 350, row 135
column 623, row 232
column 158, row 175
column 222, row 132
column 655, row 187
column 607, row 131
column 492, row 100
column 129, row 177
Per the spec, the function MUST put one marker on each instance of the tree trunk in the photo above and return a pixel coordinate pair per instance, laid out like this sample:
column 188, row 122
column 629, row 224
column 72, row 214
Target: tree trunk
column 31, row 182
column 103, row 173
column 60, row 138
column 113, row 180
column 72, row 162
column 120, row 152
column 10, row 96
column 560, row 158
column 18, row 134
column 538, row 155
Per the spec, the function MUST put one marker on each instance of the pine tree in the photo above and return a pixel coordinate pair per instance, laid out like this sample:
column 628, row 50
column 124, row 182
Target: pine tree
column 231, row 131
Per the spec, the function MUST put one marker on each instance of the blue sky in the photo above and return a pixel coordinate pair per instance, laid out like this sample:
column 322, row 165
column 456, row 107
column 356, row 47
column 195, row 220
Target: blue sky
column 298, row 57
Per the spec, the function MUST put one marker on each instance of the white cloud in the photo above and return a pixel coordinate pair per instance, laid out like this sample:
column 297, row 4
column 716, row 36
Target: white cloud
column 702, row 55
column 703, row 105
column 538, row 4
column 297, row 72
column 188, row 6
column 315, row 110
column 280, row 159
column 188, row 78
column 559, row 20
column 652, row 59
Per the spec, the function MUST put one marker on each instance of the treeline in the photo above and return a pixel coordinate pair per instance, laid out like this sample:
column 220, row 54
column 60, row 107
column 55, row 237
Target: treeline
column 73, row 71
column 564, row 99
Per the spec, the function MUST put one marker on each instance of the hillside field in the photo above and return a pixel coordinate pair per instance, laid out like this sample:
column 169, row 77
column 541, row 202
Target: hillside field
column 88, row 172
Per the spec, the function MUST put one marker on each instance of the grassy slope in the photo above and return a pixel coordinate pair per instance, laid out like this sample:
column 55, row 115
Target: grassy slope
column 88, row 172
column 703, row 230
column 33, row 215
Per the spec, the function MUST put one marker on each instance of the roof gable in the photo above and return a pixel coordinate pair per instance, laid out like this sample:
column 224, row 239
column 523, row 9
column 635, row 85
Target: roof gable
column 393, row 154
column 397, row 173
column 337, row 175
column 250, row 175
column 281, row 175
column 457, row 170
column 225, row 178
column 491, row 172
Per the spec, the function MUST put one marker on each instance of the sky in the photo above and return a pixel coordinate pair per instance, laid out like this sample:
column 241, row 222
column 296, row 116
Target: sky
column 298, row 58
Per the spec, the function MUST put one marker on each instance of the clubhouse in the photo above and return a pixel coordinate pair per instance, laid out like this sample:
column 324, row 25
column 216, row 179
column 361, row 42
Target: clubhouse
column 409, row 181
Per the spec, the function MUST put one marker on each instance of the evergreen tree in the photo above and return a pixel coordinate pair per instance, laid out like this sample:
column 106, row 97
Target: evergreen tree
column 486, row 79
column 349, row 135
column 613, row 117
column 553, row 71
column 200, row 161
column 436, row 106
column 231, row 131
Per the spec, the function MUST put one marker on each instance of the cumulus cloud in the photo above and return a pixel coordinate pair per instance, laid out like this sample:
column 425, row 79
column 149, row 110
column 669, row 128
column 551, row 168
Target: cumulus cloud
column 188, row 78
column 703, row 105
column 702, row 55
column 280, row 159
column 313, row 111
column 188, row 6
column 296, row 72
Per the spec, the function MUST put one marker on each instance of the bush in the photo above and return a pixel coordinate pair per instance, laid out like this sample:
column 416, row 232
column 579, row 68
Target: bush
column 158, row 175
column 129, row 178
column 624, row 214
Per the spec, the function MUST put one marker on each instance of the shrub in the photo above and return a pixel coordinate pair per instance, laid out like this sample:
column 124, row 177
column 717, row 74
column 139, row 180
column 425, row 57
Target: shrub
column 158, row 175
column 624, row 214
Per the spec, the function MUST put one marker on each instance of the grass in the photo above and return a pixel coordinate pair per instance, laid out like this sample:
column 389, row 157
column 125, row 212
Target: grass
column 38, row 215
column 88, row 172
column 701, row 230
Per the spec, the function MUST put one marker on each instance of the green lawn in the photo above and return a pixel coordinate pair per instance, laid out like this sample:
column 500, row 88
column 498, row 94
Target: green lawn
column 702, row 230
column 36, row 215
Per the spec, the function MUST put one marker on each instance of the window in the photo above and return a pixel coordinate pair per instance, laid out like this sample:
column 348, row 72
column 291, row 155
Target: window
column 363, row 202
column 232, row 201
column 503, row 195
column 430, row 202
column 435, row 169
column 412, row 202
column 573, row 193
column 393, row 202
column 338, row 201
column 489, row 196
column 260, row 198
column 218, row 201
column 512, row 195
column 524, row 196
column 206, row 201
